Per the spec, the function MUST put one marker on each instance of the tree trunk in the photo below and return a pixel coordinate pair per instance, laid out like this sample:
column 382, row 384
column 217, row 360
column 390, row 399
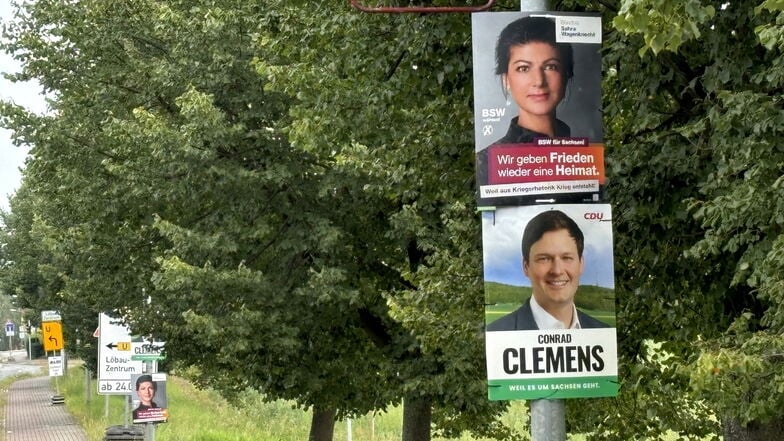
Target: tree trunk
column 322, row 425
column 771, row 431
column 416, row 419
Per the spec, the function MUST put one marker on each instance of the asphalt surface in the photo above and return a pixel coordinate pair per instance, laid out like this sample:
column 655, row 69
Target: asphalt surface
column 16, row 362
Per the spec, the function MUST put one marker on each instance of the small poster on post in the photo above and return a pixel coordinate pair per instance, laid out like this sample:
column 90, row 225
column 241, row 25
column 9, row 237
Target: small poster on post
column 56, row 366
column 149, row 398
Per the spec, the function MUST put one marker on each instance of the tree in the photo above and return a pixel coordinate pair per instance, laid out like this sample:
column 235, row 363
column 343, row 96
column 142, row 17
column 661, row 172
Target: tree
column 391, row 95
column 694, row 126
column 290, row 184
column 161, row 176
column 145, row 116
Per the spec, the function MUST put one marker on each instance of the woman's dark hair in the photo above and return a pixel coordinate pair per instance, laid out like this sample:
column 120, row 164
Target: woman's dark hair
column 546, row 221
column 527, row 30
column 146, row 379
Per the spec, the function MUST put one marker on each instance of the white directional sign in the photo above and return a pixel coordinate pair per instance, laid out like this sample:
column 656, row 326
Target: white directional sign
column 115, row 365
column 50, row 316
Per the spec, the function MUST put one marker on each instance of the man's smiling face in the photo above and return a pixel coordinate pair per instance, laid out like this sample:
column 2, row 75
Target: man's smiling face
column 554, row 269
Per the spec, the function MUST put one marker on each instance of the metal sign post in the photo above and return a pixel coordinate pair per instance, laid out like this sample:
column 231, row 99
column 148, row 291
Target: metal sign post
column 534, row 5
column 548, row 417
column 548, row 420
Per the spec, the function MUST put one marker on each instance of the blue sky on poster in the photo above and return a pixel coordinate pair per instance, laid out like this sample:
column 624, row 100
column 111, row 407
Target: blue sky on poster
column 29, row 95
column 502, row 234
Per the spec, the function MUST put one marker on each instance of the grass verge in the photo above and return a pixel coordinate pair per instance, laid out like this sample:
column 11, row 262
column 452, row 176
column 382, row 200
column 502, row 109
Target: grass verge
column 202, row 415
column 195, row 414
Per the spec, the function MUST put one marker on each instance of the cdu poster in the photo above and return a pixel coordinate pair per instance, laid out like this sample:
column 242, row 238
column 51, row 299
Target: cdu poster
column 550, row 302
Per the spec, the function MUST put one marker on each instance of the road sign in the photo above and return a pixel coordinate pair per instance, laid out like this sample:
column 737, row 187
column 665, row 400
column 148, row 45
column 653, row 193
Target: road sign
column 50, row 316
column 56, row 366
column 53, row 336
column 115, row 365
column 9, row 329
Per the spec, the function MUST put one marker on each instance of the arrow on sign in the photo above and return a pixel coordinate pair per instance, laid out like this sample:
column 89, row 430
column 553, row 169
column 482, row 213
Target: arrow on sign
column 53, row 340
column 111, row 346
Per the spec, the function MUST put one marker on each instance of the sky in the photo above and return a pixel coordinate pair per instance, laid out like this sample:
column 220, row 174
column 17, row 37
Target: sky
column 27, row 94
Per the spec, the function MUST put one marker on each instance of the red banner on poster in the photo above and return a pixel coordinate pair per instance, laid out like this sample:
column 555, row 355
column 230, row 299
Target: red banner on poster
column 525, row 163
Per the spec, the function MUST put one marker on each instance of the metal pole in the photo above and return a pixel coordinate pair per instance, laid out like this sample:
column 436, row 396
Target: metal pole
column 127, row 412
column 87, row 394
column 534, row 5
column 548, row 417
column 150, row 367
column 548, row 420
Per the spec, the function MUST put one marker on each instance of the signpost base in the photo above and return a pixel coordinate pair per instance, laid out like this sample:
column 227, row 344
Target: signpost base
column 122, row 433
column 58, row 399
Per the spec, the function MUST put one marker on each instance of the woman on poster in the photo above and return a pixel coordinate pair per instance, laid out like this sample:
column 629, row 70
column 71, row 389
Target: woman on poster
column 145, row 390
column 536, row 70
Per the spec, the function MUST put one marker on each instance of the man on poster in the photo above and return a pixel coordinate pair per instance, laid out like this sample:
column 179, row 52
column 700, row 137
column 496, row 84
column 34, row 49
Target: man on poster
column 562, row 261
column 552, row 249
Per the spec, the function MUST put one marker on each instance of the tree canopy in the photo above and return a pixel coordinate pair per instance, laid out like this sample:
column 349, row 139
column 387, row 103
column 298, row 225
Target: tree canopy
column 283, row 191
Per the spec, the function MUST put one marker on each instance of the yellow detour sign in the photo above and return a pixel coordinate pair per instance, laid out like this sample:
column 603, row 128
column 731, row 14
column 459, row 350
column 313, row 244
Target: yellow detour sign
column 53, row 336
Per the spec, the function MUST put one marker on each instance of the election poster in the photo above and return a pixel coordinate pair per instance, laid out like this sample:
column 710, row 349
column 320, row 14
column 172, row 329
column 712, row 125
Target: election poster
column 550, row 302
column 150, row 403
column 537, row 107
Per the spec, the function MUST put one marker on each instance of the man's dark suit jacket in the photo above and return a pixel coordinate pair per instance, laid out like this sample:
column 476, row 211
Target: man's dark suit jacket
column 522, row 319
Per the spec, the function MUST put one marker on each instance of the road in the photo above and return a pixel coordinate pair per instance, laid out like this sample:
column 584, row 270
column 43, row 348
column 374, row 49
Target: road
column 17, row 363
